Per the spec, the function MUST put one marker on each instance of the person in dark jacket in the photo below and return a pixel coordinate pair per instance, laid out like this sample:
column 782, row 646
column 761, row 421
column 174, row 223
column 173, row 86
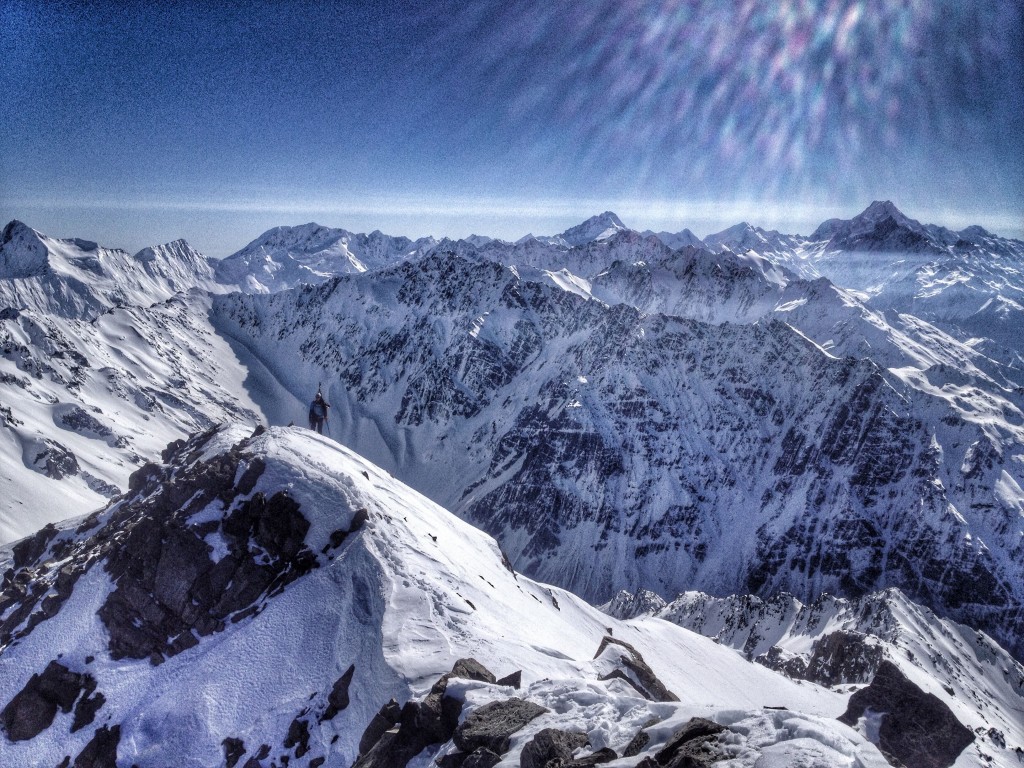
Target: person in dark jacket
column 318, row 413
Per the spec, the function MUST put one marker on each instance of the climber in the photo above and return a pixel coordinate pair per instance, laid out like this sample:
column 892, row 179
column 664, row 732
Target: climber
column 318, row 411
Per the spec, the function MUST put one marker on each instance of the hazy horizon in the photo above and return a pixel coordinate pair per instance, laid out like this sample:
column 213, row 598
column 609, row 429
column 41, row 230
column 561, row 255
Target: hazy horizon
column 139, row 124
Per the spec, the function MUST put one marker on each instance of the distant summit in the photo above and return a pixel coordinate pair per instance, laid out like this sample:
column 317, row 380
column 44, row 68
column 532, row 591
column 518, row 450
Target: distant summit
column 599, row 227
column 882, row 227
column 284, row 257
column 744, row 237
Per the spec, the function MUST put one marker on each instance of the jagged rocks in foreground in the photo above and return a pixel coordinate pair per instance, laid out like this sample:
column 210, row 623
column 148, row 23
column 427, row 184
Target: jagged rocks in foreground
column 269, row 599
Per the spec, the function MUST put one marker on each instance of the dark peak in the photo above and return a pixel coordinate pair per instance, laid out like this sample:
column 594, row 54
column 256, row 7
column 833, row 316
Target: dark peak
column 597, row 227
column 879, row 210
column 16, row 228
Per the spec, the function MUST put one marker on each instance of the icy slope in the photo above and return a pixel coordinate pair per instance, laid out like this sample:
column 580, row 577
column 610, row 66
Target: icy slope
column 80, row 279
column 605, row 447
column 277, row 590
column 840, row 642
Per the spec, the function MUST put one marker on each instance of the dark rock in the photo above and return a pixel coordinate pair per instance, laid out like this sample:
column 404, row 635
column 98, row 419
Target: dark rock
column 33, row 708
column 479, row 758
column 338, row 700
column 87, row 707
column 384, row 720
column 793, row 667
column 470, row 669
column 917, row 729
column 298, row 737
column 55, row 461
column 550, row 744
column 603, row 755
column 513, row 680
column 316, row 762
column 637, row 744
column 167, row 585
column 256, row 760
column 233, row 751
column 419, row 723
column 646, row 682
column 841, row 658
column 493, row 724
column 29, row 550
column 144, row 476
column 692, row 745
column 171, row 451
column 359, row 519
column 101, row 751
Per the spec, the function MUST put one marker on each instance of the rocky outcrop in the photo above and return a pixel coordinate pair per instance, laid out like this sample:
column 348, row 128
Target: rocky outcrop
column 635, row 671
column 101, row 751
column 338, row 699
column 551, row 744
column 170, row 588
column 692, row 746
column 419, row 723
column 33, row 709
column 916, row 729
column 493, row 724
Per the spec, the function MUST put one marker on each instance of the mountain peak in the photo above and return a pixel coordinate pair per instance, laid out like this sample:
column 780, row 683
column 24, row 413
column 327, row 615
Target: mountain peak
column 599, row 227
column 22, row 251
column 882, row 209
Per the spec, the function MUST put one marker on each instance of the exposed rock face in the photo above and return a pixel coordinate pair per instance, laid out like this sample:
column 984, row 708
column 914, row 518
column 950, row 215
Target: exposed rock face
column 52, row 459
column 169, row 587
column 33, row 709
column 640, row 675
column 101, row 751
column 551, row 744
column 493, row 724
column 842, row 657
column 419, row 723
column 603, row 755
column 337, row 700
column 692, row 746
column 916, row 728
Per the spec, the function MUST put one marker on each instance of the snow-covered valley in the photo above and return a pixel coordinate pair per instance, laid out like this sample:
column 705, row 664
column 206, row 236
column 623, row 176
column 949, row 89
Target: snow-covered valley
column 824, row 436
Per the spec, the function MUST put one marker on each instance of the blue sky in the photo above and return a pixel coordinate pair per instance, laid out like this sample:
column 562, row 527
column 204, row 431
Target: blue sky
column 137, row 123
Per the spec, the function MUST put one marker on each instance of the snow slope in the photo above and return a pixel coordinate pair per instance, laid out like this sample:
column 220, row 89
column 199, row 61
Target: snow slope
column 339, row 580
column 83, row 403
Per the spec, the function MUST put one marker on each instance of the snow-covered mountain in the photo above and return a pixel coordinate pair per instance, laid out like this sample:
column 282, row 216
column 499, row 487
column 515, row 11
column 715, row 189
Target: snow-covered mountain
column 85, row 403
column 603, row 446
column 284, row 257
column 263, row 597
column 836, row 642
column 618, row 413
column 743, row 237
column 676, row 240
column 80, row 279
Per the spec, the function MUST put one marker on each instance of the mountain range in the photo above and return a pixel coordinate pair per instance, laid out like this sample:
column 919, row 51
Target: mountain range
column 830, row 425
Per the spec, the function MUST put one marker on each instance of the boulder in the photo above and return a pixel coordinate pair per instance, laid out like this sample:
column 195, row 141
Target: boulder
column 34, row 707
column 642, row 678
column 549, row 744
column 692, row 746
column 916, row 728
column 493, row 724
